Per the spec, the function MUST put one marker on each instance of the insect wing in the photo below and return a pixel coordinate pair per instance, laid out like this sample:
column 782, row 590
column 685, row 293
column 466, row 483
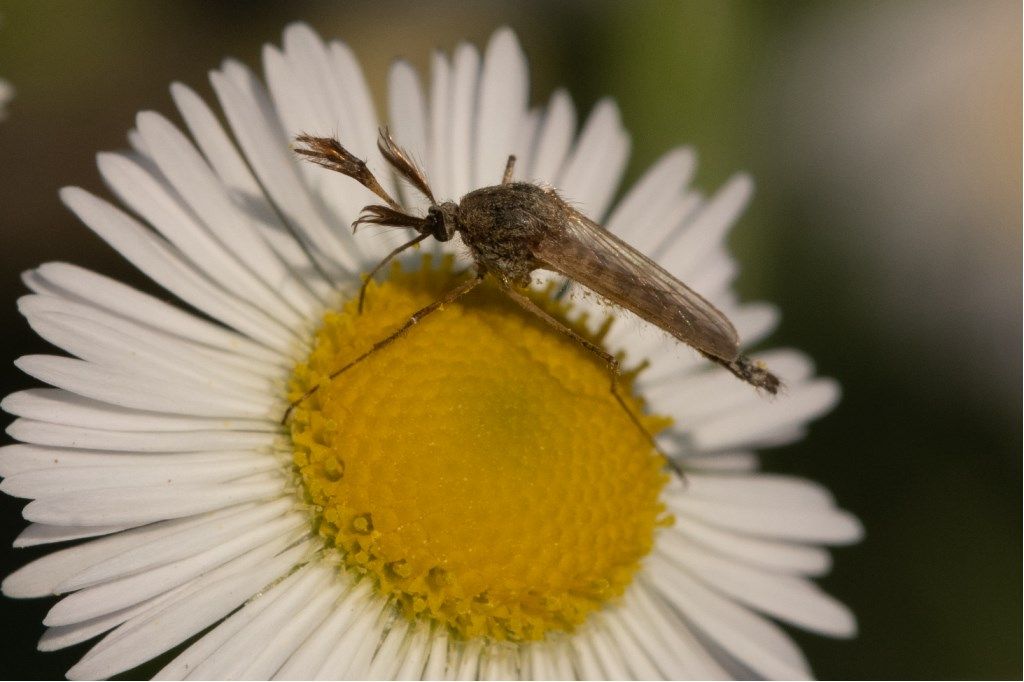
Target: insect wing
column 585, row 252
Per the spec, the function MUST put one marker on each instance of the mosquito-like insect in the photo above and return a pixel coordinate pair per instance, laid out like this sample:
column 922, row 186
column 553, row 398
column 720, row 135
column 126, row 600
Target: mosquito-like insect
column 515, row 228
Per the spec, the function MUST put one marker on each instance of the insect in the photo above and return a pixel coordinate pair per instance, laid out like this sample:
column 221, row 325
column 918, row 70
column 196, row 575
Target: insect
column 515, row 228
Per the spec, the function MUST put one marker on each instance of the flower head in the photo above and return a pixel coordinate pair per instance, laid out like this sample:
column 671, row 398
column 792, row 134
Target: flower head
column 470, row 499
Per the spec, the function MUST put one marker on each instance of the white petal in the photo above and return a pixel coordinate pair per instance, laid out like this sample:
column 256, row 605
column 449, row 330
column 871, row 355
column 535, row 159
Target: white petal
column 797, row 405
column 41, row 577
column 120, row 593
column 439, row 169
column 152, row 199
column 706, row 230
column 43, row 433
column 75, row 283
column 415, row 651
column 642, row 665
column 352, row 651
column 438, row 660
column 266, row 146
column 252, row 647
column 501, row 104
column 147, row 504
column 141, row 639
column 50, row 483
column 216, row 528
column 57, row 406
column 775, row 556
column 222, row 155
column 308, row 658
column 165, row 265
column 18, row 458
column 554, row 138
column 641, row 218
column 463, row 109
column 798, row 523
column 386, row 659
column 591, row 174
column 127, row 389
column 42, row 534
column 788, row 598
column 407, row 108
column 752, row 640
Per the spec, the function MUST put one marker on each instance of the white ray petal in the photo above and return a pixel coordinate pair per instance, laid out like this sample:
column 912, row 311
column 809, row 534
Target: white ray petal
column 610, row 653
column 640, row 218
column 147, row 504
column 74, row 283
column 753, row 641
column 774, row 556
column 693, row 398
column 437, row 661
column 59, row 435
column 465, row 73
column 667, row 637
column 350, row 656
column 641, row 663
column 467, row 666
column 266, row 146
column 359, row 105
column 387, row 659
column 414, row 653
column 501, row 105
column 788, row 598
column 164, row 265
column 744, row 425
column 797, row 524
column 147, row 636
column 120, row 593
column 308, row 658
column 706, row 230
column 127, row 389
column 217, row 527
column 719, row 461
column 588, row 664
column 597, row 162
column 761, row 490
column 58, row 406
column 41, row 577
column 42, row 534
column 196, row 184
column 54, row 482
column 222, row 155
column 554, row 139
column 407, row 113
column 62, row 636
column 19, row 458
column 252, row 646
column 152, row 199
column 439, row 170
column 318, row 106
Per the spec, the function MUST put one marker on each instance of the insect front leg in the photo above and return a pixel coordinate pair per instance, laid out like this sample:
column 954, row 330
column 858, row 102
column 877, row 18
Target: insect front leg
column 450, row 297
column 366, row 281
column 613, row 365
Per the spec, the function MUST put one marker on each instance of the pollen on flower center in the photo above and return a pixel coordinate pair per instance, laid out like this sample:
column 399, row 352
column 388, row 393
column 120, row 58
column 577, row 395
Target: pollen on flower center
column 478, row 469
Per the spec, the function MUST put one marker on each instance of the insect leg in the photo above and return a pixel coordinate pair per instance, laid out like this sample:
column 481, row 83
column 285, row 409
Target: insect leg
column 613, row 364
column 449, row 297
column 366, row 281
column 510, row 166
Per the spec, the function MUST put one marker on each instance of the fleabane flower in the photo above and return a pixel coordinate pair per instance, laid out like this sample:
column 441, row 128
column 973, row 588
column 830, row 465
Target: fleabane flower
column 469, row 501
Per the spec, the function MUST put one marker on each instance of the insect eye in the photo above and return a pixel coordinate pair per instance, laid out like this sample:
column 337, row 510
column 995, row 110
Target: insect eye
column 437, row 225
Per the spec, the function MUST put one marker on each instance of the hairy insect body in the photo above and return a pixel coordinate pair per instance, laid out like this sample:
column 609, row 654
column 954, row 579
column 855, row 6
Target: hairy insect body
column 502, row 226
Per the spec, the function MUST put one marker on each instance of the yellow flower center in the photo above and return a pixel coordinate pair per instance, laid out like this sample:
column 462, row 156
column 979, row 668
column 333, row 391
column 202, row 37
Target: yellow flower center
column 478, row 469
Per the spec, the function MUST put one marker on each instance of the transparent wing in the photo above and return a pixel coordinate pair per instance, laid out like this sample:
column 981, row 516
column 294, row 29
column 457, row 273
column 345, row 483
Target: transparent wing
column 585, row 252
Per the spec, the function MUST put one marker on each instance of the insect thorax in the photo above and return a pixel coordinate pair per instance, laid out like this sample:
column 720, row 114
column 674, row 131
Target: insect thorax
column 501, row 224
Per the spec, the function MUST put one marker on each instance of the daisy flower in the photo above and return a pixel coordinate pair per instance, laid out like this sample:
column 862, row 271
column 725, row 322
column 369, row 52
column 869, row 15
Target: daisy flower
column 470, row 501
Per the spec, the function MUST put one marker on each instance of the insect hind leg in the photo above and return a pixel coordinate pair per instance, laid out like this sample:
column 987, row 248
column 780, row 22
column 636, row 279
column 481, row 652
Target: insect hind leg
column 614, row 368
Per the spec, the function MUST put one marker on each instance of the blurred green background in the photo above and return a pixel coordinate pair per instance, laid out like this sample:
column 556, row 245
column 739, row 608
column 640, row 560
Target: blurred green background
column 885, row 139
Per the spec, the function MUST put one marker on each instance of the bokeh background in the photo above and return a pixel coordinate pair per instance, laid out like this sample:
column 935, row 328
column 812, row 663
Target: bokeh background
column 885, row 138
